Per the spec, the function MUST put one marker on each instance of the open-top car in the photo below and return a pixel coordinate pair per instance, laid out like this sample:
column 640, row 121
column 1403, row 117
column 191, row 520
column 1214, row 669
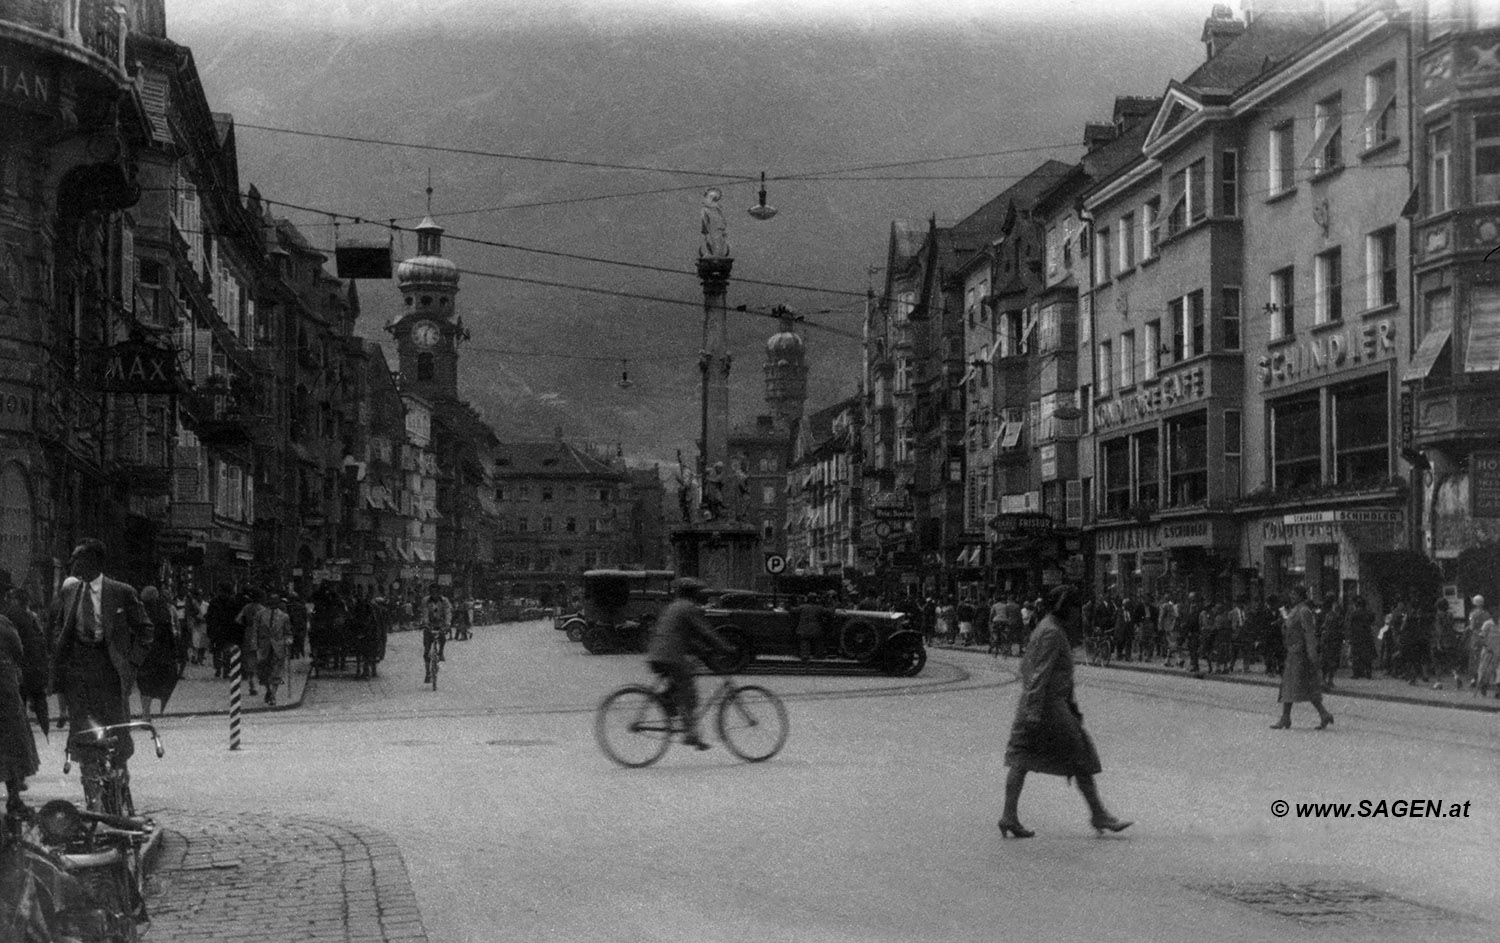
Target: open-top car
column 761, row 626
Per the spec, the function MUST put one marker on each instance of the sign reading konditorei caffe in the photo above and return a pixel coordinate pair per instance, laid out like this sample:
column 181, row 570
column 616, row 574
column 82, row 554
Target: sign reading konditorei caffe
column 1173, row 390
column 1329, row 353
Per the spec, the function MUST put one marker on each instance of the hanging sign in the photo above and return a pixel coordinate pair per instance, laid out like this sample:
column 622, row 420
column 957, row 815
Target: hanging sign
column 136, row 367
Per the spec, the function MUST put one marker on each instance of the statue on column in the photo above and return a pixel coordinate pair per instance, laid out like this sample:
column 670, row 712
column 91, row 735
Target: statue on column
column 741, row 493
column 713, row 492
column 715, row 230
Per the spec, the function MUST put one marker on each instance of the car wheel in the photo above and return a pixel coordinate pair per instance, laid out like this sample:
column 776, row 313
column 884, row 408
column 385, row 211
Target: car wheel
column 904, row 657
column 859, row 640
column 575, row 629
column 596, row 639
column 744, row 650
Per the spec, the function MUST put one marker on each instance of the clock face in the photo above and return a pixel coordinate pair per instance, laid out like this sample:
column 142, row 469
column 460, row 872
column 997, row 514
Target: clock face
column 425, row 334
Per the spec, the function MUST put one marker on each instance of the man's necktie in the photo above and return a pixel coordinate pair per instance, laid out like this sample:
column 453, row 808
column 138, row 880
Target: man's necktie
column 88, row 624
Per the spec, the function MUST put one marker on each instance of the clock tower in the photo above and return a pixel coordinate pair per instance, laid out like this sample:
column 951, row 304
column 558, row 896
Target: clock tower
column 426, row 335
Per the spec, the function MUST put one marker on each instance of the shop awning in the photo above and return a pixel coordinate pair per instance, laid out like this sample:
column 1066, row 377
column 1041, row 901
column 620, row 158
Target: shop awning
column 1427, row 354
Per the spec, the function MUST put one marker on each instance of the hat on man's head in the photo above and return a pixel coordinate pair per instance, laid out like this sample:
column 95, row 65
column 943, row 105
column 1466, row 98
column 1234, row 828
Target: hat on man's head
column 1478, row 600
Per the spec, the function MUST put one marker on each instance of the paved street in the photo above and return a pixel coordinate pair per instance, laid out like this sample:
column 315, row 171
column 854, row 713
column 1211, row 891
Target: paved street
column 875, row 823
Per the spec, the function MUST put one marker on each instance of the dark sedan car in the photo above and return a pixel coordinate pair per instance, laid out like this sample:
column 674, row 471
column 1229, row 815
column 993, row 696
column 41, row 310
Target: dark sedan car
column 760, row 625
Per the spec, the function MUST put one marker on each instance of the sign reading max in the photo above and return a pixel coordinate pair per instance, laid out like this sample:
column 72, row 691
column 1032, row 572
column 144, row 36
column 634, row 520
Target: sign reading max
column 134, row 367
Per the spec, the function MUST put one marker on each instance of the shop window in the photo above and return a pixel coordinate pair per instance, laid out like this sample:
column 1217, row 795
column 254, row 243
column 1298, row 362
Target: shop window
column 1282, row 573
column 1147, row 468
column 1187, row 460
column 1323, row 559
column 1361, row 432
column 1296, row 442
column 1116, row 474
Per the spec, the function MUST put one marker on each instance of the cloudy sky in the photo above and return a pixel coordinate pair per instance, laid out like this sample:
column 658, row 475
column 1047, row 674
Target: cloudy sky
column 579, row 135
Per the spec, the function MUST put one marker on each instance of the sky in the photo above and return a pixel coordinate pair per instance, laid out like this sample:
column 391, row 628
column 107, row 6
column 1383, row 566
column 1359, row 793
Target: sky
column 578, row 134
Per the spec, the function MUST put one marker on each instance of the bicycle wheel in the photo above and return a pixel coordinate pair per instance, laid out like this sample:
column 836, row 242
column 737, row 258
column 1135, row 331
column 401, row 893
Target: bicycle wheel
column 752, row 723
column 633, row 727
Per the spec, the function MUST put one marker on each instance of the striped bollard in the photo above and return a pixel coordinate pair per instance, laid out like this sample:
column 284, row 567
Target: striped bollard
column 234, row 697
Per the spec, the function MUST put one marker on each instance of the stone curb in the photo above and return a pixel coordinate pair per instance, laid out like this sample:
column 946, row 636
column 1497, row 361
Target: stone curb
column 1481, row 705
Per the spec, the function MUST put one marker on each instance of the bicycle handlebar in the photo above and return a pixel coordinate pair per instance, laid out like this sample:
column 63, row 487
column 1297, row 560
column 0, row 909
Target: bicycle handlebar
column 103, row 733
column 120, row 823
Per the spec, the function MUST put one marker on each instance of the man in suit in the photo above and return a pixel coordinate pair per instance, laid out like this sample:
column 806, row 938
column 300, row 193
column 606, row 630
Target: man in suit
column 103, row 636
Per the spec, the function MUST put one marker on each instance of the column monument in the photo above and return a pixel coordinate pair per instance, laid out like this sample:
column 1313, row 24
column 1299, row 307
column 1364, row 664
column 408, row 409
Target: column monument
column 713, row 544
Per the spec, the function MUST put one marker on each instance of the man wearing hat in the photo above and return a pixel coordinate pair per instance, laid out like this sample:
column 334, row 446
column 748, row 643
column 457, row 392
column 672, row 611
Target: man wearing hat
column 681, row 631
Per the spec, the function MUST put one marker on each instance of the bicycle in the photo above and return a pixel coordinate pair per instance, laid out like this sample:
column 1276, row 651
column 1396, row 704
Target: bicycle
column 1099, row 647
column 106, row 781
column 433, row 638
column 635, row 725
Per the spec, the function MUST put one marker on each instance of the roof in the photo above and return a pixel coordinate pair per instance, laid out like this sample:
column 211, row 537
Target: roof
column 1270, row 39
column 551, row 458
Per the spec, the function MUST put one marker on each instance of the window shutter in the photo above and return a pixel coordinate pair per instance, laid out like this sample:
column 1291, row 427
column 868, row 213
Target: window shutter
column 203, row 354
column 1482, row 353
column 127, row 267
column 155, row 96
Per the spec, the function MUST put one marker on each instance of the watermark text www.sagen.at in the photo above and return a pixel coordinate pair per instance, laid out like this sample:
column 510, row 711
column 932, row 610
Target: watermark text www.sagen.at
column 1373, row 809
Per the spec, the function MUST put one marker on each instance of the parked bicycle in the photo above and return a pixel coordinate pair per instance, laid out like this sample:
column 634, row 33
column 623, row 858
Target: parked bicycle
column 636, row 724
column 106, row 780
column 433, row 639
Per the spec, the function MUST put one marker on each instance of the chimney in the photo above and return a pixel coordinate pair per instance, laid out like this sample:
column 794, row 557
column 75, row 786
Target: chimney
column 1097, row 135
column 1220, row 29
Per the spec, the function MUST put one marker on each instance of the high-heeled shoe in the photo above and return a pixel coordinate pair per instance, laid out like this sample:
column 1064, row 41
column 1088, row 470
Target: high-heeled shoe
column 1327, row 719
column 1109, row 823
column 1007, row 829
column 1282, row 725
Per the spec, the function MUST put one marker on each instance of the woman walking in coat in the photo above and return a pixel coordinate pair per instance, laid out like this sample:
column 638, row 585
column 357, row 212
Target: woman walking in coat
column 156, row 678
column 1301, row 676
column 1048, row 735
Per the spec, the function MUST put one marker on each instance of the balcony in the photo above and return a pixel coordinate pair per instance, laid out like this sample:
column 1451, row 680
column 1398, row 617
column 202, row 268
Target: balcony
column 91, row 32
column 1466, row 408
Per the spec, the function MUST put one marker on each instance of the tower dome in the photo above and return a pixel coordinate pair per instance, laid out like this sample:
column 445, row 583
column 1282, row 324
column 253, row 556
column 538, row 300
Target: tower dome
column 428, row 268
column 786, row 372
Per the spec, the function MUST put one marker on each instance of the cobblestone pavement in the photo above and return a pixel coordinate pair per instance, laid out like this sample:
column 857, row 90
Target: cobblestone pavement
column 242, row 878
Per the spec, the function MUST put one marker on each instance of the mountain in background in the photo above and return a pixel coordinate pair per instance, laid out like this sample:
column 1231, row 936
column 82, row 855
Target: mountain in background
column 717, row 96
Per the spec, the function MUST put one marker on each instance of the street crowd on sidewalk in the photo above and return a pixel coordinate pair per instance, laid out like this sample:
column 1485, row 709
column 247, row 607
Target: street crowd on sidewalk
column 1413, row 642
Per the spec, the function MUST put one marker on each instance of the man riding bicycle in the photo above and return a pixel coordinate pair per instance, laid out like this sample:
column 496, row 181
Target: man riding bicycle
column 678, row 633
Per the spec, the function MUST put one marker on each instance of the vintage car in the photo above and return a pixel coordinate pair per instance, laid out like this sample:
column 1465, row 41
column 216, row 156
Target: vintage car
column 761, row 626
column 618, row 609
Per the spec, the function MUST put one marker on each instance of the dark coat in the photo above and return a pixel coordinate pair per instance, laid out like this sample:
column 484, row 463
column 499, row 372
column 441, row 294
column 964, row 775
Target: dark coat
column 1047, row 735
column 680, row 631
column 157, row 676
column 1301, row 678
column 22, row 671
column 127, row 629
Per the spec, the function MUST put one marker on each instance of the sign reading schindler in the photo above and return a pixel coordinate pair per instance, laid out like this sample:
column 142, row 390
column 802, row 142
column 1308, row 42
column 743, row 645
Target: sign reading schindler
column 1326, row 353
column 1484, row 484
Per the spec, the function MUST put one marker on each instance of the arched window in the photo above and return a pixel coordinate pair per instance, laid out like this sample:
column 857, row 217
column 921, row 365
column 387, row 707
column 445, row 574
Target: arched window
column 425, row 369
